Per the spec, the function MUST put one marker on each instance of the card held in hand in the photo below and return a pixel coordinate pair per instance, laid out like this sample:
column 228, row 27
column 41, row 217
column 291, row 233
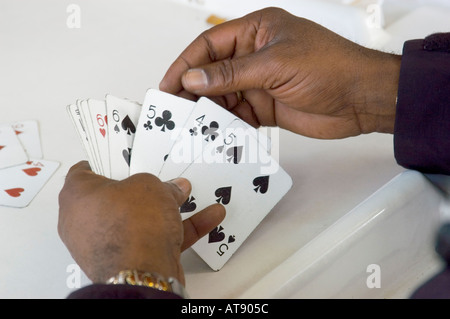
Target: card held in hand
column 232, row 174
column 226, row 160
column 123, row 116
column 162, row 117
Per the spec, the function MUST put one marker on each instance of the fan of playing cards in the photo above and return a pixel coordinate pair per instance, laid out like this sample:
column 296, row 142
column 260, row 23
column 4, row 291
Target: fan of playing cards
column 226, row 160
column 23, row 172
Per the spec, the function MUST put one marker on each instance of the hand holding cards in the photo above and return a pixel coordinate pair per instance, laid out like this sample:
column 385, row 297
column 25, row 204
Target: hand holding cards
column 226, row 160
column 23, row 172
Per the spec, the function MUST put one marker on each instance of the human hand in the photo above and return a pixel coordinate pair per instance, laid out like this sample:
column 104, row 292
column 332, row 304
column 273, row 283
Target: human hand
column 293, row 73
column 109, row 225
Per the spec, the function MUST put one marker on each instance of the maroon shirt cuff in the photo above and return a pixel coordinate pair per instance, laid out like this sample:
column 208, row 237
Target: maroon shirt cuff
column 103, row 291
column 422, row 127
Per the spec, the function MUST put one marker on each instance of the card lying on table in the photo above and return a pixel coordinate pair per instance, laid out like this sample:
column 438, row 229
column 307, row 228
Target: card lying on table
column 226, row 160
column 23, row 172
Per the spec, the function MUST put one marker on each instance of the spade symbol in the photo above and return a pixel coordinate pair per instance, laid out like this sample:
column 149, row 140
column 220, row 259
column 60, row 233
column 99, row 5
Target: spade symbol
column 231, row 239
column 234, row 154
column 116, row 128
column 188, row 206
column 223, row 195
column 127, row 155
column 261, row 183
column 219, row 149
column 216, row 235
column 128, row 125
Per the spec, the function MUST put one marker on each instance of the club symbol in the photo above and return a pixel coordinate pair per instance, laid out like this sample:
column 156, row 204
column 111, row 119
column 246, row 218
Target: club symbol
column 211, row 131
column 148, row 125
column 193, row 131
column 165, row 121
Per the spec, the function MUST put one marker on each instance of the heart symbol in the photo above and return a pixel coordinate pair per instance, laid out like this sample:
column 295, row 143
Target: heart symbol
column 216, row 235
column 14, row 192
column 31, row 171
column 103, row 132
column 188, row 206
column 1, row 146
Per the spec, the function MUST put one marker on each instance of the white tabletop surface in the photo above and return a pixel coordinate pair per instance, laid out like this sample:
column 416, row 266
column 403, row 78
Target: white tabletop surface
column 124, row 48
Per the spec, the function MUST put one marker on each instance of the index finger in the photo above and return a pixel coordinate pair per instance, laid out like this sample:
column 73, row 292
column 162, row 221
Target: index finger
column 80, row 177
column 227, row 40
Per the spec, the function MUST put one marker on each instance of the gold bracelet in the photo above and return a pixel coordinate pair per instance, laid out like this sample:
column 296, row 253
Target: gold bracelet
column 147, row 279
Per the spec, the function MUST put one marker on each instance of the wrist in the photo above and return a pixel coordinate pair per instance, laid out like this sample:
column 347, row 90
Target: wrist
column 379, row 87
column 151, row 258
column 152, row 280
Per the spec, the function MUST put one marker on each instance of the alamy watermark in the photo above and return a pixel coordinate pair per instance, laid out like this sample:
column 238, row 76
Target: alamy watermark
column 375, row 18
column 374, row 279
column 73, row 20
column 73, row 280
column 230, row 146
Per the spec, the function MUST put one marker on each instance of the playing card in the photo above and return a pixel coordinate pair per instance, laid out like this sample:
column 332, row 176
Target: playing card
column 75, row 115
column 162, row 117
column 123, row 116
column 83, row 108
column 226, row 160
column 29, row 137
column 93, row 114
column 203, row 127
column 11, row 150
column 99, row 125
column 20, row 184
column 234, row 177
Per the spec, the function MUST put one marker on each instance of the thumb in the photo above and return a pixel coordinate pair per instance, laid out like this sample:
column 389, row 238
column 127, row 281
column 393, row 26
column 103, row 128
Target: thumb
column 226, row 76
column 181, row 188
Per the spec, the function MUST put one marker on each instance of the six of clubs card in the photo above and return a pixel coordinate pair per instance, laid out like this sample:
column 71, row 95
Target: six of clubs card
column 224, row 158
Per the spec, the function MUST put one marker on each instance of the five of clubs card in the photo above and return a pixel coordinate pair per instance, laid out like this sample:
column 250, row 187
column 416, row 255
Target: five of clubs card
column 23, row 171
column 226, row 160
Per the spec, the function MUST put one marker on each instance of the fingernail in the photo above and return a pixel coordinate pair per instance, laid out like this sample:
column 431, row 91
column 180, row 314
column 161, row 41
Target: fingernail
column 182, row 183
column 195, row 79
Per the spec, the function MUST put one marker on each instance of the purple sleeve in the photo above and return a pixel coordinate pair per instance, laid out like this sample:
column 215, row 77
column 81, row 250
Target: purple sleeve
column 422, row 124
column 103, row 291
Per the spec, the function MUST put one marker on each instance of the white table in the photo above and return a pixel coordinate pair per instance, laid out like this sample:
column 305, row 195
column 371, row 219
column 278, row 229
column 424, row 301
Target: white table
column 124, row 48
